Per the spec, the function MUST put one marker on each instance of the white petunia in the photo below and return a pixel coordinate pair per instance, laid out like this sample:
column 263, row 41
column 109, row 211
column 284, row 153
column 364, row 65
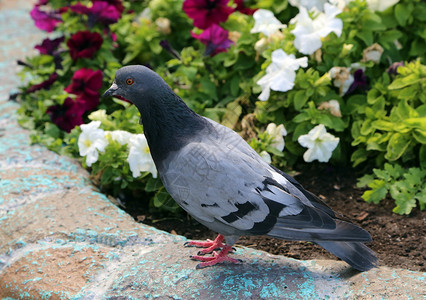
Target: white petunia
column 280, row 74
column 319, row 4
column 309, row 32
column 277, row 133
column 308, row 4
column 266, row 23
column 91, row 140
column 140, row 159
column 320, row 144
column 332, row 106
column 380, row 5
column 372, row 53
column 120, row 136
column 266, row 156
column 343, row 78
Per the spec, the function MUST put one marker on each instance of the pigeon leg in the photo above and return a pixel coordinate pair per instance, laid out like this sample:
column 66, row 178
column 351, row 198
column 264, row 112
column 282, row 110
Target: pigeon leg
column 209, row 245
column 217, row 258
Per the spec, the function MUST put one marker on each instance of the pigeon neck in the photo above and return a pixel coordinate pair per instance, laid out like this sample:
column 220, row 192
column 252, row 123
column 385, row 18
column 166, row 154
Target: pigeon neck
column 169, row 124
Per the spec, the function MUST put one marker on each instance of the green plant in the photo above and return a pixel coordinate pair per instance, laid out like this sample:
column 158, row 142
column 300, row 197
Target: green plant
column 406, row 186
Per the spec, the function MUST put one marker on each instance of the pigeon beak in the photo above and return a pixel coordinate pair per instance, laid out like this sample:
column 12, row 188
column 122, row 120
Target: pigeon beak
column 111, row 91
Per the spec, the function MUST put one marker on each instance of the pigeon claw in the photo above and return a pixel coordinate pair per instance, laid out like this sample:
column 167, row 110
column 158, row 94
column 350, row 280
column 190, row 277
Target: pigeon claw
column 209, row 245
column 217, row 258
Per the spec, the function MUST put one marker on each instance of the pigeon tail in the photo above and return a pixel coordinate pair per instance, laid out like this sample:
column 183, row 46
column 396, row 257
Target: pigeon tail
column 356, row 254
column 343, row 232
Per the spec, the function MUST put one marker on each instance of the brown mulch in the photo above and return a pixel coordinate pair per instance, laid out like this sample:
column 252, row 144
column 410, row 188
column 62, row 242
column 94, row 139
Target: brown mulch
column 399, row 241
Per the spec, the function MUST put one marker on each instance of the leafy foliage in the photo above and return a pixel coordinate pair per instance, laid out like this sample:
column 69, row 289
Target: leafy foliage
column 379, row 111
column 405, row 186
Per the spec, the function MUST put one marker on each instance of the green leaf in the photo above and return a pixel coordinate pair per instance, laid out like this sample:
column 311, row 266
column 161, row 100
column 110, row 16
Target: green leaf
column 404, row 81
column 365, row 180
column 377, row 193
column 366, row 36
column 153, row 184
column 402, row 13
column 208, row 87
column 397, row 145
column 234, row 85
column 300, row 99
column 420, row 136
column 359, row 156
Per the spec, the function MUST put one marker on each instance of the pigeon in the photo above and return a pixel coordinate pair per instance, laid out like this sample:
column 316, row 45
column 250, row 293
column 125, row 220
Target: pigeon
column 223, row 183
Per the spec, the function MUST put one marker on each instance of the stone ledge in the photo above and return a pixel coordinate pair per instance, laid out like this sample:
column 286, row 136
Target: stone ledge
column 61, row 239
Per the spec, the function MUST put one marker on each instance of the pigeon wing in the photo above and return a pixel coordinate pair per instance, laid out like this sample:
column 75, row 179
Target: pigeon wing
column 220, row 180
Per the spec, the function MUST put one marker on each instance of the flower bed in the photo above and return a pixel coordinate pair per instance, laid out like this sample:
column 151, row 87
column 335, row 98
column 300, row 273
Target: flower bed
column 339, row 82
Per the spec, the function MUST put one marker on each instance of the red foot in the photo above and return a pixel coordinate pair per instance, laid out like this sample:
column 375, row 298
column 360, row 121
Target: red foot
column 209, row 245
column 217, row 258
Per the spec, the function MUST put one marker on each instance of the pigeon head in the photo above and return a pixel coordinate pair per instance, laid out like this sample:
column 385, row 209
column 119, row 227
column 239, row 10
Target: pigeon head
column 136, row 84
column 168, row 123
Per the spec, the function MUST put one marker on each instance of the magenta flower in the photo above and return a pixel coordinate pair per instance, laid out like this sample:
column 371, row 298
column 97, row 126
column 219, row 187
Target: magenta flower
column 215, row 38
column 44, row 85
column 360, row 82
column 45, row 21
column 100, row 11
column 49, row 46
column 84, row 44
column 207, row 12
column 117, row 3
column 242, row 9
column 86, row 84
column 68, row 115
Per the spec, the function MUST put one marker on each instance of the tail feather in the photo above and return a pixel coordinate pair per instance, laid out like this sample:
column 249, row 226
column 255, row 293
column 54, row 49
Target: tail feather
column 346, row 241
column 356, row 254
column 344, row 231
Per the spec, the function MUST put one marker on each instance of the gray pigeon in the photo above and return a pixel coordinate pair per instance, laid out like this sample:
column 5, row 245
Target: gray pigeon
column 214, row 175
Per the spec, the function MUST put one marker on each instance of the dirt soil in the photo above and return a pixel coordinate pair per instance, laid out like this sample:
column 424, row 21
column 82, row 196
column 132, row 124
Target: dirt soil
column 398, row 240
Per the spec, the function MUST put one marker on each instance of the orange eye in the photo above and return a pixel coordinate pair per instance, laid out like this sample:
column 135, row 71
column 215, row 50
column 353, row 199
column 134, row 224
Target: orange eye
column 129, row 81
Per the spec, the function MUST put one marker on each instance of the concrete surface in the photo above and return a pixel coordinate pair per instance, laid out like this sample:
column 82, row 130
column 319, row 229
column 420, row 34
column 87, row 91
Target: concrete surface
column 62, row 239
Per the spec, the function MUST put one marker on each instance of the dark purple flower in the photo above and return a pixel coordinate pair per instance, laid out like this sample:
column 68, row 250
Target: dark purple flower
column 49, row 46
column 207, row 12
column 360, row 82
column 242, row 9
column 86, row 84
column 393, row 68
column 116, row 3
column 84, row 44
column 100, row 11
column 67, row 115
column 44, row 85
column 215, row 38
column 45, row 21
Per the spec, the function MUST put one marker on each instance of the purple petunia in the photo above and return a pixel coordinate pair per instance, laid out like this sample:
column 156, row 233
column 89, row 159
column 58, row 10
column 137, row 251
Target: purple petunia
column 86, row 84
column 100, row 11
column 207, row 12
column 43, row 85
column 215, row 38
column 45, row 21
column 49, row 46
column 67, row 115
column 360, row 82
column 84, row 44
column 242, row 9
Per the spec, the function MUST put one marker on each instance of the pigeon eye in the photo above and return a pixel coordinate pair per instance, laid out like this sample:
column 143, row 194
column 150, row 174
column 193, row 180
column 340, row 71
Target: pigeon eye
column 129, row 81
